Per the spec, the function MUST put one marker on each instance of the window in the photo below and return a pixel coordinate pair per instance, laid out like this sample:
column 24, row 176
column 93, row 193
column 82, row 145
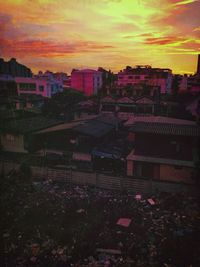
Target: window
column 41, row 88
column 130, row 77
column 27, row 86
column 137, row 77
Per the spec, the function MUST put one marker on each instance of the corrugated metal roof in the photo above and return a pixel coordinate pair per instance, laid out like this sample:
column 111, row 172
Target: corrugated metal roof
column 166, row 128
column 94, row 128
column 157, row 119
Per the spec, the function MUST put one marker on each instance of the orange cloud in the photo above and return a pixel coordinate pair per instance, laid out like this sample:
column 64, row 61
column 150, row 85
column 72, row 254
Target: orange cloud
column 111, row 33
column 164, row 40
column 49, row 49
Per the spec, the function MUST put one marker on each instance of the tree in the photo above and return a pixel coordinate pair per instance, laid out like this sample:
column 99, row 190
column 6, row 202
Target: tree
column 62, row 102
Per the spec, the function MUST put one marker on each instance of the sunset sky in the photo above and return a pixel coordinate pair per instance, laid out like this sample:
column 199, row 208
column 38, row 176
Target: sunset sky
column 59, row 35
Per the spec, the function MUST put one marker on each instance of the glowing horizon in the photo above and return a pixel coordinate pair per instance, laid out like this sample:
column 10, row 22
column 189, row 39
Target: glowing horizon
column 61, row 35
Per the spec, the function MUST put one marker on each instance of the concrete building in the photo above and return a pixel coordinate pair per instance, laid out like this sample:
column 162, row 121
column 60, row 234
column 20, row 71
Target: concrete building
column 87, row 81
column 188, row 83
column 146, row 75
column 43, row 84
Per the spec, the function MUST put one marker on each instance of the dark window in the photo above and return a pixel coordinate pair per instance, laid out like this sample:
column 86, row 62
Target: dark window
column 130, row 77
column 27, row 86
column 137, row 77
column 41, row 88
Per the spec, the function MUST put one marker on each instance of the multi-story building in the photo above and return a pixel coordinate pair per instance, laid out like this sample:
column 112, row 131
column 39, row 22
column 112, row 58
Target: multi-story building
column 13, row 68
column 146, row 75
column 41, row 84
column 87, row 81
column 188, row 83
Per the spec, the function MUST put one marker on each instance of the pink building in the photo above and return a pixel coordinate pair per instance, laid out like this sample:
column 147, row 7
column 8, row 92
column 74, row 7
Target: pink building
column 87, row 81
column 188, row 83
column 145, row 75
column 42, row 85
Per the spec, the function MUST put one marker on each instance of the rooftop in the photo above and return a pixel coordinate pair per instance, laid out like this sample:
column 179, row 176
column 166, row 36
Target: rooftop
column 166, row 128
column 28, row 125
column 157, row 119
column 94, row 128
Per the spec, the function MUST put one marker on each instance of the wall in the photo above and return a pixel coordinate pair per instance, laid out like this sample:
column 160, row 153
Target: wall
column 13, row 143
column 161, row 172
column 165, row 146
column 130, row 168
column 170, row 173
column 38, row 82
column 86, row 81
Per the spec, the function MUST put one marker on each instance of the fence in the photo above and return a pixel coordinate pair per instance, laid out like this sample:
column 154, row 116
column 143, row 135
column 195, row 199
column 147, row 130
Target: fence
column 100, row 180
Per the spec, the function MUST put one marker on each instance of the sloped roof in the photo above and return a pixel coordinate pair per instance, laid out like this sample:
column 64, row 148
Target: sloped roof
column 111, row 120
column 94, row 128
column 28, row 125
column 108, row 99
column 125, row 100
column 157, row 119
column 166, row 128
column 144, row 100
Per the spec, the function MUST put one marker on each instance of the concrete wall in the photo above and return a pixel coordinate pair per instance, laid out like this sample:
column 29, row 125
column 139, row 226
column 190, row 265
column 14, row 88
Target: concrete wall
column 86, row 81
column 165, row 172
column 170, row 173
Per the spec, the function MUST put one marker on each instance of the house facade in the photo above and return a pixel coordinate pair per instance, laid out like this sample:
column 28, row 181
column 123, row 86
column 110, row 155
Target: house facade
column 16, row 135
column 164, row 151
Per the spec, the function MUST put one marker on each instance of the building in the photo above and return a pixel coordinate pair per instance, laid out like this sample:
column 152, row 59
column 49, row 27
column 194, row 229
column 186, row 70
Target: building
column 16, row 134
column 126, row 107
column 13, row 68
column 87, row 81
column 41, row 84
column 166, row 151
column 8, row 86
column 145, row 75
column 188, row 83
